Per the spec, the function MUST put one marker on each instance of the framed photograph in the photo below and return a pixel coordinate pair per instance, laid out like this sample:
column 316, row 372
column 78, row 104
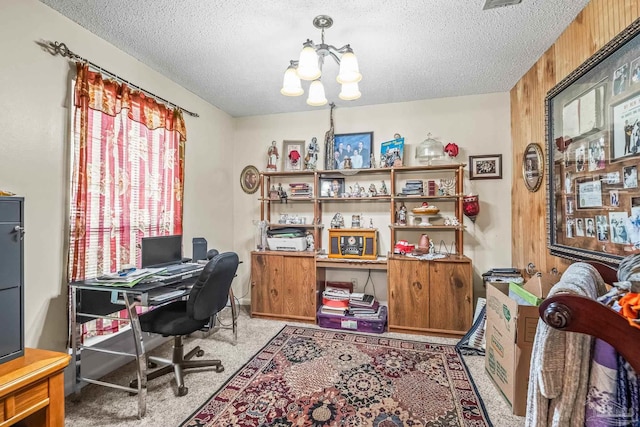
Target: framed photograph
column 352, row 150
column 331, row 187
column 293, row 155
column 592, row 120
column 533, row 167
column 250, row 179
column 625, row 128
column 392, row 153
column 485, row 167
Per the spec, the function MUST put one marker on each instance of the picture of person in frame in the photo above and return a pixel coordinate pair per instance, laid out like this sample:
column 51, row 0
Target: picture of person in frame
column 630, row 176
column 620, row 77
column 614, row 199
column 602, row 228
column 579, row 227
column 591, row 229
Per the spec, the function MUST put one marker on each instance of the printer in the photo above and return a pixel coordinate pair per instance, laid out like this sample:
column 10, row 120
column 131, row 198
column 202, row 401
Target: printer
column 286, row 239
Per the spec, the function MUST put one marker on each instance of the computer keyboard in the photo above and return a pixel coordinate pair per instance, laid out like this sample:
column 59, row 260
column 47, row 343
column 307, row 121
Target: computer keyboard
column 182, row 268
column 164, row 296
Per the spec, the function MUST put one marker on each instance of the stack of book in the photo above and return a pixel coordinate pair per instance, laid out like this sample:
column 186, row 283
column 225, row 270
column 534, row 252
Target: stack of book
column 363, row 306
column 300, row 189
column 508, row 274
column 335, row 301
column 413, row 187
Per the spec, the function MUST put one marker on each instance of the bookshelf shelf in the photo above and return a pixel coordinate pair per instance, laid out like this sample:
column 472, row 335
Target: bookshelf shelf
column 422, row 294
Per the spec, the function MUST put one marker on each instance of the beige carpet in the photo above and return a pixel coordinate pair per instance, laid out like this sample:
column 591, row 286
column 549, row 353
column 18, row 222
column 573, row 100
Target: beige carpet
column 101, row 406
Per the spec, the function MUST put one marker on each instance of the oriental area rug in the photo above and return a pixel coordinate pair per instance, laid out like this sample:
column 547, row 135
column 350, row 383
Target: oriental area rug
column 315, row 377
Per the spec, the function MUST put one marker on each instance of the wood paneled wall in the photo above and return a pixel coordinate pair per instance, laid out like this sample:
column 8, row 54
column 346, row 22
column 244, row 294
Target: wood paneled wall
column 599, row 22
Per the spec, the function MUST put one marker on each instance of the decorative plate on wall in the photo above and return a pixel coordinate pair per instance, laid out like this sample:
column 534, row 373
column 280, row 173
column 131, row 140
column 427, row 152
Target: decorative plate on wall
column 250, row 179
column 533, row 167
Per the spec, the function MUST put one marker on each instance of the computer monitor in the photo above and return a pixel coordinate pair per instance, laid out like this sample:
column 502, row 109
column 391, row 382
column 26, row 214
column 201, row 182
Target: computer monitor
column 160, row 251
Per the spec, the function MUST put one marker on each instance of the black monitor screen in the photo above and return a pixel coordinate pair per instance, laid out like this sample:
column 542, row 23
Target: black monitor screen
column 160, row 251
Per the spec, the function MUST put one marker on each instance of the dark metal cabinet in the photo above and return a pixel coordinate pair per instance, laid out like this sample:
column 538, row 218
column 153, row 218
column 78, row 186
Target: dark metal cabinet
column 11, row 278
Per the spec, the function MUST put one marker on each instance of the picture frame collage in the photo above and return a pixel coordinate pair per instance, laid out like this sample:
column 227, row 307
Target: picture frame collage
column 593, row 152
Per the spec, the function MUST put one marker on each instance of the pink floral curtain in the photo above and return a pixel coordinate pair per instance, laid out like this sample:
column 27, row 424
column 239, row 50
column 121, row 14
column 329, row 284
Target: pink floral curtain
column 127, row 175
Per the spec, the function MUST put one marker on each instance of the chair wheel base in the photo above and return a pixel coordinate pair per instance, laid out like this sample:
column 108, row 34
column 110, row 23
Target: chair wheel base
column 199, row 353
column 182, row 391
column 219, row 368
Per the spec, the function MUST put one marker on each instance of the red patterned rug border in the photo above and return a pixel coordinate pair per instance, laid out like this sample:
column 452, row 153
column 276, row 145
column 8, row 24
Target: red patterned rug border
column 244, row 375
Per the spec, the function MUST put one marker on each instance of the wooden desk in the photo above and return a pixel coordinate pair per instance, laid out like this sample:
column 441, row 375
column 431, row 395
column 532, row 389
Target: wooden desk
column 32, row 389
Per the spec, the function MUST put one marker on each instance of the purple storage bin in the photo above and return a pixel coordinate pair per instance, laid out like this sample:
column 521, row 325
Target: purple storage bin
column 350, row 323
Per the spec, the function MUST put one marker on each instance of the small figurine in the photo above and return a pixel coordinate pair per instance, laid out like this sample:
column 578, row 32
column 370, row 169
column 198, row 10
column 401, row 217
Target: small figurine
column 311, row 159
column 370, row 222
column 372, row 161
column 401, row 215
column 383, row 189
column 372, row 190
column 311, row 246
column 272, row 157
column 337, row 221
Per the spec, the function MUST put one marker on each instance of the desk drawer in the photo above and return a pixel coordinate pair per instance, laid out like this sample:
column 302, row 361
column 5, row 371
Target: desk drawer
column 24, row 402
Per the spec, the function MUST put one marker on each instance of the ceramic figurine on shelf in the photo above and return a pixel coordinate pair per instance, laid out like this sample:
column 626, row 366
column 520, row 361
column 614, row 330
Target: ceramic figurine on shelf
column 337, row 221
column 401, row 215
column 383, row 189
column 372, row 190
column 370, row 222
column 272, row 157
column 372, row 161
column 311, row 159
column 311, row 246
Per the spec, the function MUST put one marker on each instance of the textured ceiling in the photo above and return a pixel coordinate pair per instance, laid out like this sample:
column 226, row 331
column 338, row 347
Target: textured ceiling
column 233, row 53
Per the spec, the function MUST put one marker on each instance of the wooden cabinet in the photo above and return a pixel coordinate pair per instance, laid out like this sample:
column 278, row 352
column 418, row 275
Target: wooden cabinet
column 285, row 285
column 32, row 389
column 423, row 296
column 430, row 296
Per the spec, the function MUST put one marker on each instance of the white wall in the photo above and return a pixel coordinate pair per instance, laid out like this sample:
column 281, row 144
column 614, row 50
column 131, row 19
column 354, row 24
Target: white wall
column 478, row 124
column 34, row 152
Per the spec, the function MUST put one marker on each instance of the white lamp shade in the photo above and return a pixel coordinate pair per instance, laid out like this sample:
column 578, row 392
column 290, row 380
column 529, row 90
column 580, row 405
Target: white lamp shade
column 350, row 91
column 291, row 83
column 308, row 68
column 349, row 70
column 316, row 97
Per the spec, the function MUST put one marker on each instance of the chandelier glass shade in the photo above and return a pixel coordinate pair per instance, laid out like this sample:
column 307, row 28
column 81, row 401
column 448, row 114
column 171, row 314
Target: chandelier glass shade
column 309, row 67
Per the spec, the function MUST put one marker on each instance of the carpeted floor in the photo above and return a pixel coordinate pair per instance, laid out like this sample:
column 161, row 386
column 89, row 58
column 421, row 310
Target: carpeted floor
column 306, row 376
column 100, row 406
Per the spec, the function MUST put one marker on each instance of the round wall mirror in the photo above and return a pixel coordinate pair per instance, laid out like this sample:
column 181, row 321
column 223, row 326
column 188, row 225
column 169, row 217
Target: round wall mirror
column 533, row 167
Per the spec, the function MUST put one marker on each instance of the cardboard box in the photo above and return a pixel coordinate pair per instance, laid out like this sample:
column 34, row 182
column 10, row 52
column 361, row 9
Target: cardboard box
column 511, row 328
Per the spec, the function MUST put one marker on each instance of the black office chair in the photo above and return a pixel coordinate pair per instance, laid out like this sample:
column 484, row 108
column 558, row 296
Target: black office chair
column 208, row 296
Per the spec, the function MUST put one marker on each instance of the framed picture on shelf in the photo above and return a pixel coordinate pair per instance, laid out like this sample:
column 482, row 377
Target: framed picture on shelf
column 352, row 150
column 331, row 187
column 293, row 155
column 392, row 153
column 485, row 167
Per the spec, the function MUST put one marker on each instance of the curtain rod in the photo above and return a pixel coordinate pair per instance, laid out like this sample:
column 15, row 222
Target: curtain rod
column 61, row 49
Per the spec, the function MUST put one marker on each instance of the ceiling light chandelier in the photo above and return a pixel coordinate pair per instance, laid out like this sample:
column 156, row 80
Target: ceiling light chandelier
column 309, row 67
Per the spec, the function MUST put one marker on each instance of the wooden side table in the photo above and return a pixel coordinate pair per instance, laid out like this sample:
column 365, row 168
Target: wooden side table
column 32, row 389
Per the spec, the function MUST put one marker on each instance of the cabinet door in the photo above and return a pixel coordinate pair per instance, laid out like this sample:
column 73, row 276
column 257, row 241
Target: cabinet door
column 408, row 294
column 299, row 284
column 266, row 284
column 450, row 295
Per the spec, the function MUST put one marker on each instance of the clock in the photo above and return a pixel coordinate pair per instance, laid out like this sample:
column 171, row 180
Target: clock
column 357, row 243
